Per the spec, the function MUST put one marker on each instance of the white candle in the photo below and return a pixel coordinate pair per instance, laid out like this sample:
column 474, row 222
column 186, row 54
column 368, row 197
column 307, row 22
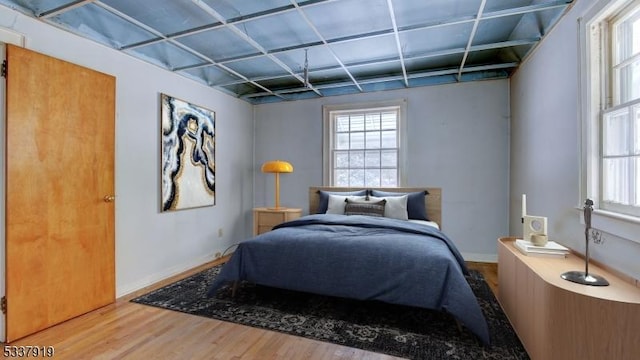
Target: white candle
column 524, row 205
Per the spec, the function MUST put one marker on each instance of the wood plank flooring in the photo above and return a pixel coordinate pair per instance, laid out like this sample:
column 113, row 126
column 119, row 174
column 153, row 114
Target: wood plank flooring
column 490, row 273
column 125, row 330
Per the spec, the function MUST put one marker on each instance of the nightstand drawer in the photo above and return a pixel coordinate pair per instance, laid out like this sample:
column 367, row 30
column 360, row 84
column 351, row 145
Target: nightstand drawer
column 264, row 228
column 270, row 218
column 264, row 219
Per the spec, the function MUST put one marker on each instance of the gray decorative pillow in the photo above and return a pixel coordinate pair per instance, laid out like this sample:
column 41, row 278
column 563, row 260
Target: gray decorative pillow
column 337, row 203
column 369, row 208
column 324, row 197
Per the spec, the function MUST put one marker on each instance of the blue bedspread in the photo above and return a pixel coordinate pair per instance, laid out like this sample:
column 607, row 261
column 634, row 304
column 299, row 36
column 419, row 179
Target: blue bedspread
column 360, row 257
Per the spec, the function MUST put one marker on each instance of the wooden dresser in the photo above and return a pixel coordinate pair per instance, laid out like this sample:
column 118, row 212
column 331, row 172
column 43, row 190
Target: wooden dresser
column 264, row 219
column 558, row 319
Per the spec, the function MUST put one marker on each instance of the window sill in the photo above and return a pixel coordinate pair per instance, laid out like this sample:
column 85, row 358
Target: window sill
column 624, row 226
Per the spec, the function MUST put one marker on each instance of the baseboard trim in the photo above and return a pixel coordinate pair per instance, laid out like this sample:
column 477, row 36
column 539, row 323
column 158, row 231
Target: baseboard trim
column 162, row 275
column 488, row 258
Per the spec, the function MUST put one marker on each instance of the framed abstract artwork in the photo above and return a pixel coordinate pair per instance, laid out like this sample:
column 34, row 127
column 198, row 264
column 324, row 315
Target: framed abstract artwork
column 188, row 155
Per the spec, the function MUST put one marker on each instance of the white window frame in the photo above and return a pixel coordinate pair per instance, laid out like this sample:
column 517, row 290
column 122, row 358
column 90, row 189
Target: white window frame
column 327, row 151
column 594, row 97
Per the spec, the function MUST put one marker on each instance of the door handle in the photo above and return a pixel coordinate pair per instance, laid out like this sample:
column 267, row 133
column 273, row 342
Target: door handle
column 109, row 198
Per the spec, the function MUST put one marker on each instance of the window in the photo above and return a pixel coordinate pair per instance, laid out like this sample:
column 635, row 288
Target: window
column 612, row 135
column 363, row 145
column 620, row 137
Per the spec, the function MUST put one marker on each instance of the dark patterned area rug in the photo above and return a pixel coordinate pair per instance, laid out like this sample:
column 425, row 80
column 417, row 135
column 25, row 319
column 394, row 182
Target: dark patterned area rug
column 391, row 329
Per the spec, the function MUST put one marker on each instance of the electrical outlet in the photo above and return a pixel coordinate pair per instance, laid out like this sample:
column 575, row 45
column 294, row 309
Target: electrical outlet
column 218, row 255
column 597, row 237
column 219, row 232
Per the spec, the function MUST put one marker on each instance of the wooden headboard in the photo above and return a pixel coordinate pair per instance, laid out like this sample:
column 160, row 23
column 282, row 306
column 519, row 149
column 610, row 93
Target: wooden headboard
column 433, row 199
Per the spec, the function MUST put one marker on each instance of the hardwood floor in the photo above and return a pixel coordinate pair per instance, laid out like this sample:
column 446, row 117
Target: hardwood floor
column 490, row 273
column 125, row 330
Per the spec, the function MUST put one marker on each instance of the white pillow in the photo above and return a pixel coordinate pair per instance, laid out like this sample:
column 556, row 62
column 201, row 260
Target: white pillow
column 396, row 206
column 425, row 222
column 337, row 203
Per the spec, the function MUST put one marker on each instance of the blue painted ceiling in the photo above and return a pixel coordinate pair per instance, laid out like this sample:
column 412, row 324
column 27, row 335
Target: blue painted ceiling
column 255, row 49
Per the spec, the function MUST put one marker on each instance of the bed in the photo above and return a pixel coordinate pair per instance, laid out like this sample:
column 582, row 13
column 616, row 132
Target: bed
column 365, row 257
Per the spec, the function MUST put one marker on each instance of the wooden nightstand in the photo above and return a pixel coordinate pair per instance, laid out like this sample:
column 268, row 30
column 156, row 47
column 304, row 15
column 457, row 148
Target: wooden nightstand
column 264, row 219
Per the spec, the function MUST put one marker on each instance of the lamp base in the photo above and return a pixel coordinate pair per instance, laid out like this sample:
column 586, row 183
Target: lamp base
column 277, row 208
column 583, row 278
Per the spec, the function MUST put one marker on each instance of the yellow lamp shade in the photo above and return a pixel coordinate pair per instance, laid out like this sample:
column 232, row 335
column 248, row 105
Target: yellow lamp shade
column 277, row 166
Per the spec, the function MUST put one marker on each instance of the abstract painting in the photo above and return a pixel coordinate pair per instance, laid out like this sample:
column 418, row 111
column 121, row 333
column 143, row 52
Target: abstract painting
column 188, row 155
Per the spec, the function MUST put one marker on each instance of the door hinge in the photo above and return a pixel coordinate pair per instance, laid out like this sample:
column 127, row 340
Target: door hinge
column 3, row 72
column 3, row 304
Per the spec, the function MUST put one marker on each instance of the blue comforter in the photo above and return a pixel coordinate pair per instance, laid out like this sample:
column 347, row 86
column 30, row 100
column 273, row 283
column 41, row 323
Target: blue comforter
column 360, row 257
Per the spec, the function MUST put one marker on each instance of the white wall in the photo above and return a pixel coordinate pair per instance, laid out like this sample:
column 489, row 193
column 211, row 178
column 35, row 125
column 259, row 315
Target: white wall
column 151, row 245
column 458, row 138
column 545, row 142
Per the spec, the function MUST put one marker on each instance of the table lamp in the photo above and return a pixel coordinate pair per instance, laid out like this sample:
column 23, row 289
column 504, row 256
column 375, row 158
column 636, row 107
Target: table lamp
column 277, row 167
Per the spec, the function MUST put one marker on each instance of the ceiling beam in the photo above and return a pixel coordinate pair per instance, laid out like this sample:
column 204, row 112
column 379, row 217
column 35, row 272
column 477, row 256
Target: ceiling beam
column 63, row 8
column 471, row 36
column 527, row 9
column 392, row 14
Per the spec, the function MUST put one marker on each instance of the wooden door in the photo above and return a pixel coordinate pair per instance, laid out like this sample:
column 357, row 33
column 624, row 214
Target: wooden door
column 60, row 249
